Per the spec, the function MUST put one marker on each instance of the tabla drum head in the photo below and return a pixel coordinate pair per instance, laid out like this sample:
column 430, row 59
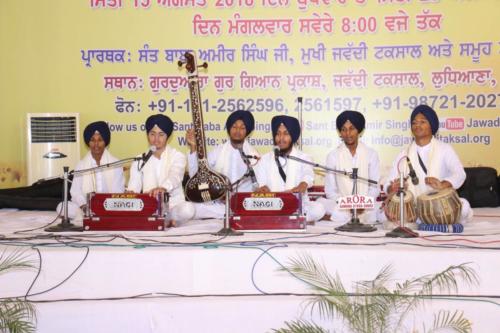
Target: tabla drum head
column 439, row 207
column 392, row 207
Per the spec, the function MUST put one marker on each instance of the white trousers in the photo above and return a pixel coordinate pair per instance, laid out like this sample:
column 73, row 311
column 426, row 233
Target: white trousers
column 313, row 210
column 181, row 212
column 209, row 210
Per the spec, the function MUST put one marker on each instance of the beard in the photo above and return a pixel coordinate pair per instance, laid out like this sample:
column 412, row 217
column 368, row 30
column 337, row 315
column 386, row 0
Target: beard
column 287, row 150
column 237, row 142
column 350, row 143
column 97, row 154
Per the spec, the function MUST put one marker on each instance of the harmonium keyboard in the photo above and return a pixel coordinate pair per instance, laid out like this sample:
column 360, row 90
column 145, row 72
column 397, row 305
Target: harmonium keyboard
column 124, row 211
column 274, row 211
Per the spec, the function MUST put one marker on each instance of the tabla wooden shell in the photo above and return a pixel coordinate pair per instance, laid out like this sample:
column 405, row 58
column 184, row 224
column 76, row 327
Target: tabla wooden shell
column 392, row 207
column 439, row 207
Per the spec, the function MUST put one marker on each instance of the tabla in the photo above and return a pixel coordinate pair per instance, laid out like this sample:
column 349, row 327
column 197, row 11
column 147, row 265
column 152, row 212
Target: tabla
column 439, row 207
column 392, row 207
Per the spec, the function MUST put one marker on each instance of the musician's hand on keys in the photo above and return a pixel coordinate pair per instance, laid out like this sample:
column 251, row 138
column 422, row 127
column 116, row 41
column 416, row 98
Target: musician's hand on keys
column 263, row 189
column 301, row 188
column 157, row 190
column 191, row 139
column 436, row 183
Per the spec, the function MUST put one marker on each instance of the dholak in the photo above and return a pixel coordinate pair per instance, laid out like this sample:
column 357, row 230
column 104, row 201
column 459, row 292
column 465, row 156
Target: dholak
column 439, row 207
column 392, row 207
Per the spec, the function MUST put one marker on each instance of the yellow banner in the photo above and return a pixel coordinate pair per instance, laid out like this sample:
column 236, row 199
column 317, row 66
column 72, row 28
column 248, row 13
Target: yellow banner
column 116, row 60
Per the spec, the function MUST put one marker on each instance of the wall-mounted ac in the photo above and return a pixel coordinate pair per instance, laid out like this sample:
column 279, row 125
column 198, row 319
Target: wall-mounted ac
column 53, row 142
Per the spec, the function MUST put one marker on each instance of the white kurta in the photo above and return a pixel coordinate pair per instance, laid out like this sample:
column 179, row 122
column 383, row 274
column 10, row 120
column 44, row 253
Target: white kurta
column 226, row 160
column 109, row 180
column 167, row 172
column 296, row 172
column 338, row 185
column 441, row 162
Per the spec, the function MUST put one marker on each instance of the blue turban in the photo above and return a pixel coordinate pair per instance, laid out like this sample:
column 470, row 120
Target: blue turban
column 242, row 115
column 100, row 127
column 291, row 124
column 356, row 118
column 163, row 122
column 429, row 114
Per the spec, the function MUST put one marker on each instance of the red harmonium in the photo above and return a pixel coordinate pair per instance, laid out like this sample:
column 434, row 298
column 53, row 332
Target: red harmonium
column 124, row 211
column 315, row 192
column 267, row 211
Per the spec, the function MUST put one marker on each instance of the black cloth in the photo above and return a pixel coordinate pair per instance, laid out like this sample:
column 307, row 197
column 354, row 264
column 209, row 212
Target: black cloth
column 480, row 187
column 498, row 188
column 280, row 169
column 422, row 165
column 42, row 195
column 29, row 203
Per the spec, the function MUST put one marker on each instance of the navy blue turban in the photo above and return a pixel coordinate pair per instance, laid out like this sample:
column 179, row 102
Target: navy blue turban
column 356, row 118
column 100, row 127
column 163, row 122
column 429, row 114
column 291, row 124
column 245, row 116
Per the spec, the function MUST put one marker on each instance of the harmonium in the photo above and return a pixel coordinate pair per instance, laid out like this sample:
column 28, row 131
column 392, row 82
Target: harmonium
column 124, row 211
column 274, row 211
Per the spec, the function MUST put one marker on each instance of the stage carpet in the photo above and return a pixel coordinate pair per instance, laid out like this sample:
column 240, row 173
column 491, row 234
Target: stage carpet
column 187, row 280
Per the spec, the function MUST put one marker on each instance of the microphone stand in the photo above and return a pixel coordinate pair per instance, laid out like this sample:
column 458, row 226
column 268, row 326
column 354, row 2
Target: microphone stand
column 66, row 224
column 249, row 174
column 299, row 101
column 401, row 231
column 354, row 225
column 226, row 229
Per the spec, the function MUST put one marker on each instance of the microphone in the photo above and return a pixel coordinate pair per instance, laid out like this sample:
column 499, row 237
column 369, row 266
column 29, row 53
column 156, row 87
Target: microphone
column 251, row 172
column 413, row 175
column 147, row 156
column 277, row 151
column 253, row 157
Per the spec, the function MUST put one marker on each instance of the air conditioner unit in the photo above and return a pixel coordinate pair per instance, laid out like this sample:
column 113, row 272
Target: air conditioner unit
column 53, row 142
